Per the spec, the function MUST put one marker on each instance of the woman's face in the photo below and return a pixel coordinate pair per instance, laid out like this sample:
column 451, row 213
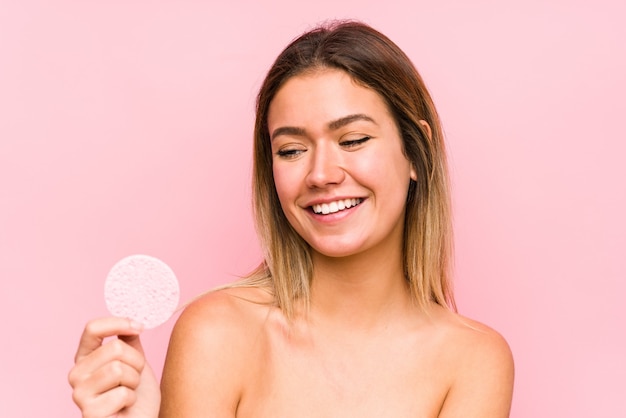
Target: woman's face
column 340, row 173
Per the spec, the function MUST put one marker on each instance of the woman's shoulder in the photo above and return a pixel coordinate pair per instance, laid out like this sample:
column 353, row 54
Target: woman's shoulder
column 482, row 364
column 214, row 349
column 224, row 324
column 472, row 336
column 471, row 342
column 232, row 309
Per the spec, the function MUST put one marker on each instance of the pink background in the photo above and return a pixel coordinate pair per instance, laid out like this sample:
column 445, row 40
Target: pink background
column 125, row 127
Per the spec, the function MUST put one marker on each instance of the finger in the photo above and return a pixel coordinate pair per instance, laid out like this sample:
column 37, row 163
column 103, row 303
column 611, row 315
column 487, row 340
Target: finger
column 109, row 403
column 92, row 395
column 112, row 352
column 112, row 375
column 134, row 341
column 88, row 393
column 97, row 330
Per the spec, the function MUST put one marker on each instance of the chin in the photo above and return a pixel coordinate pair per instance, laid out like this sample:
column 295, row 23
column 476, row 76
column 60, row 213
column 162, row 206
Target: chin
column 337, row 250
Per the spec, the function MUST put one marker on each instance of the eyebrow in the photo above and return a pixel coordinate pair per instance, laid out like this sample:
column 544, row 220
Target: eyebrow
column 333, row 126
column 346, row 120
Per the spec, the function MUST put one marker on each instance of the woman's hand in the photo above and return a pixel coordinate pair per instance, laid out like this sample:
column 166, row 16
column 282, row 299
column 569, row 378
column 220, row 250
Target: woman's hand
column 112, row 378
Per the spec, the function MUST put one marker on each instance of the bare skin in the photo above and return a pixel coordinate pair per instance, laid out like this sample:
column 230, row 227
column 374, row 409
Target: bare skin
column 111, row 376
column 234, row 355
column 364, row 348
column 255, row 363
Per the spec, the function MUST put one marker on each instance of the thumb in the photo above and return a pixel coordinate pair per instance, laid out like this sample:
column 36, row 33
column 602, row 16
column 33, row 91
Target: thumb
column 134, row 341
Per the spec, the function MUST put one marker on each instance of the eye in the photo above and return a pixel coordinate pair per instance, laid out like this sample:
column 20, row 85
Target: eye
column 289, row 152
column 352, row 143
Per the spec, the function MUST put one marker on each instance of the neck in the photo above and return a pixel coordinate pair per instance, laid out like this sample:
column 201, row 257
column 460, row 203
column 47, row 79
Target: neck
column 361, row 290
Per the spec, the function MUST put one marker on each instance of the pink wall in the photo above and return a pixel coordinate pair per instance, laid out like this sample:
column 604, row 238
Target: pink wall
column 125, row 127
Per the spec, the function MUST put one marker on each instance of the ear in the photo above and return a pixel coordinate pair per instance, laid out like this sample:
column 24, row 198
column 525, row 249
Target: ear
column 413, row 173
column 426, row 127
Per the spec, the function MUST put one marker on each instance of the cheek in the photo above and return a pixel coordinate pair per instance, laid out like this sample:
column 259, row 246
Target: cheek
column 285, row 186
column 287, row 191
column 383, row 168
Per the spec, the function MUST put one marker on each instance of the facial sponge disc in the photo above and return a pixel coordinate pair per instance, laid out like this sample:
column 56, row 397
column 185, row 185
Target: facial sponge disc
column 142, row 288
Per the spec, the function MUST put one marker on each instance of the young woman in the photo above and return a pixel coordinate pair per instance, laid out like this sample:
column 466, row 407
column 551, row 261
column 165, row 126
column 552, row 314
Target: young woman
column 351, row 313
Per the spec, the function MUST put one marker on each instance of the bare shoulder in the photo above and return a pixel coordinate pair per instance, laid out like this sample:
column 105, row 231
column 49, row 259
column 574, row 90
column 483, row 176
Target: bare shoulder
column 474, row 339
column 227, row 309
column 482, row 384
column 228, row 316
column 212, row 352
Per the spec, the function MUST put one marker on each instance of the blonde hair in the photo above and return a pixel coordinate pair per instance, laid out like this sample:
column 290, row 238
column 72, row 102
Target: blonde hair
column 374, row 61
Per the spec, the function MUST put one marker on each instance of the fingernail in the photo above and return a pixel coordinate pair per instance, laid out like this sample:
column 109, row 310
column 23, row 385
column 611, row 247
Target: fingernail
column 136, row 325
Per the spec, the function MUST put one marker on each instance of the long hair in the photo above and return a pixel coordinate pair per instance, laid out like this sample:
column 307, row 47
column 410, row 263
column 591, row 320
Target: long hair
column 374, row 61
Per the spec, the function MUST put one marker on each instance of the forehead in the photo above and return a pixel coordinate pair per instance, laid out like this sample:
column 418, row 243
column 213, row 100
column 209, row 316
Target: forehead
column 316, row 98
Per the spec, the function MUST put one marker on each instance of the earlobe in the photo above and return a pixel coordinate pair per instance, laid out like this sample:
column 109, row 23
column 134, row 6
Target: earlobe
column 413, row 173
column 426, row 127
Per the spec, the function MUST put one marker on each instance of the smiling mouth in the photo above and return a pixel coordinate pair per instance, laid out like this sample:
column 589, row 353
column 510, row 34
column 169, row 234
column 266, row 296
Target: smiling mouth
column 336, row 206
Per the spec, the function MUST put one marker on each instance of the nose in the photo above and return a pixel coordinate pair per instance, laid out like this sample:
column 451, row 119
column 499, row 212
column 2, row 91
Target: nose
column 326, row 166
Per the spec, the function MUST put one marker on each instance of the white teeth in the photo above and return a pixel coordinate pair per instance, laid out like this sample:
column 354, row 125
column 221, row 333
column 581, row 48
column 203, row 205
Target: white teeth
column 336, row 206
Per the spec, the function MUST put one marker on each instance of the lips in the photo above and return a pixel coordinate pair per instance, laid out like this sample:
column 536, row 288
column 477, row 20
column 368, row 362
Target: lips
column 335, row 206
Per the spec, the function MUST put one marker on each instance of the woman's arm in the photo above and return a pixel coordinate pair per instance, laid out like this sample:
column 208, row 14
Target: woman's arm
column 483, row 386
column 206, row 361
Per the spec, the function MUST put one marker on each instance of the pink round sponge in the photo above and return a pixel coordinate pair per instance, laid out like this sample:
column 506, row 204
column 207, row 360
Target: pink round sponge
column 142, row 288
